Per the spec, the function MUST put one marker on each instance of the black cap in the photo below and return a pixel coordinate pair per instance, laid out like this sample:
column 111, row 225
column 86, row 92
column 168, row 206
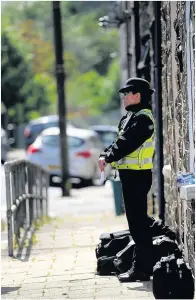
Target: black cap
column 138, row 84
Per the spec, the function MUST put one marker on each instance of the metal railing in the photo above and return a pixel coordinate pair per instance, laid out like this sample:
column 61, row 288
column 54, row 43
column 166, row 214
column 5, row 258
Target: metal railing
column 26, row 197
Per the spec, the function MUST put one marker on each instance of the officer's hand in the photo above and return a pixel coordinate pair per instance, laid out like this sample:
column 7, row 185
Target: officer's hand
column 102, row 163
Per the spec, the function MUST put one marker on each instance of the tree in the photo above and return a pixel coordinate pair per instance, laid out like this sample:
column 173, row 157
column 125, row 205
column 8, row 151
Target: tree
column 95, row 92
column 14, row 72
column 20, row 85
column 92, row 75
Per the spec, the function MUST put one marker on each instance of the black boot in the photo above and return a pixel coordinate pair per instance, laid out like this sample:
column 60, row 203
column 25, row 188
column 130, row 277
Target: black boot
column 141, row 268
column 134, row 275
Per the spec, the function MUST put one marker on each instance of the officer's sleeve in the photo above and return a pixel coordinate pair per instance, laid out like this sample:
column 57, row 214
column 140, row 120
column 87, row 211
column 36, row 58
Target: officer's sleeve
column 134, row 136
column 106, row 150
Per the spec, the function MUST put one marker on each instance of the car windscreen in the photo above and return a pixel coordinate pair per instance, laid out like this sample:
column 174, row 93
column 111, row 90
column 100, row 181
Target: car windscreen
column 53, row 141
column 37, row 128
column 107, row 137
column 51, row 124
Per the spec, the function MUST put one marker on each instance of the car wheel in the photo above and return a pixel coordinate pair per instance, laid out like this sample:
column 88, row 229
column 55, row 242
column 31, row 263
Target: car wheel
column 87, row 182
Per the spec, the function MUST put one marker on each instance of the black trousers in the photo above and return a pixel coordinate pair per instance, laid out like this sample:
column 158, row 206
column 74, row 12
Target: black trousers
column 135, row 187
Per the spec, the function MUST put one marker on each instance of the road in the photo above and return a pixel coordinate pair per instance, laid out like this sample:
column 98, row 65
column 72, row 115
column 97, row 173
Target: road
column 87, row 200
column 78, row 196
column 81, row 200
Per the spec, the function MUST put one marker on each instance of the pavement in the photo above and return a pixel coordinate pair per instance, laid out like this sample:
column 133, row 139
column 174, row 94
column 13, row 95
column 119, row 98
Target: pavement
column 61, row 263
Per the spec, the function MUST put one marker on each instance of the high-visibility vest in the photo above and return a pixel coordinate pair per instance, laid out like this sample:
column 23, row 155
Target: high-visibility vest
column 141, row 158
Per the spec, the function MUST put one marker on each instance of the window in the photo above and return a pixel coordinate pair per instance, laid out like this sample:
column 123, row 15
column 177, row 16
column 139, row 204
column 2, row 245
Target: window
column 53, row 141
column 107, row 137
column 51, row 124
column 75, row 142
column 37, row 128
column 50, row 140
column 95, row 142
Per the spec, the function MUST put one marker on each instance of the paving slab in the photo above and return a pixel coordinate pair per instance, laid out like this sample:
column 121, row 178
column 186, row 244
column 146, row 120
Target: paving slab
column 62, row 263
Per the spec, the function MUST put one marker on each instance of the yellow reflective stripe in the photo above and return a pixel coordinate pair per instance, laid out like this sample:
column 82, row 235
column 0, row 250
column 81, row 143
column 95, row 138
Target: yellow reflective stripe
column 135, row 161
column 144, row 111
column 149, row 144
column 134, row 167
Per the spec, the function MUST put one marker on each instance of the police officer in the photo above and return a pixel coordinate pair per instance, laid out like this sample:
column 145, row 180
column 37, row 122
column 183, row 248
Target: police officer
column 132, row 155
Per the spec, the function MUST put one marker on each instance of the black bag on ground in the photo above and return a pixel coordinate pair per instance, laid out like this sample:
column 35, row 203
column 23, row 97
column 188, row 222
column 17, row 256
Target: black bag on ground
column 164, row 246
column 124, row 258
column 107, row 237
column 172, row 279
column 105, row 265
column 118, row 244
column 158, row 228
column 112, row 247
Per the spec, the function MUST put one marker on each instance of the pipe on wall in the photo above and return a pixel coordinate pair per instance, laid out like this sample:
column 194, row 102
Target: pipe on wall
column 137, row 34
column 128, row 35
column 158, row 109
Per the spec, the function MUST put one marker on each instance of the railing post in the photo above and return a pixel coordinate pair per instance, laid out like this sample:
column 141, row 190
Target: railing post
column 19, row 219
column 30, row 191
column 14, row 198
column 9, row 212
column 27, row 198
column 41, row 192
column 36, row 187
column 45, row 187
column 23, row 194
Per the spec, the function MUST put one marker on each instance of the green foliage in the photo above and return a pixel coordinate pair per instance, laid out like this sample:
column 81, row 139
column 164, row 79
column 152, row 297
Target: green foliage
column 89, row 43
column 94, row 91
column 19, row 84
column 14, row 71
column 92, row 75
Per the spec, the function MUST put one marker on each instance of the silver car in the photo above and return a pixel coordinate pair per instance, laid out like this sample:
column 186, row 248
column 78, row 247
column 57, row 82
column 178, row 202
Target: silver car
column 84, row 147
column 36, row 126
column 4, row 146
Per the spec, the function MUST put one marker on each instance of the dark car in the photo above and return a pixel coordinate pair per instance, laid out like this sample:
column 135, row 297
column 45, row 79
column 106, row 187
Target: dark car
column 5, row 146
column 107, row 133
column 36, row 126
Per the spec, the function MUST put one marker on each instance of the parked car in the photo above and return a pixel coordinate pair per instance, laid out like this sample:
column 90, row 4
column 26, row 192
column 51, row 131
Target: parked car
column 106, row 133
column 4, row 146
column 35, row 127
column 84, row 147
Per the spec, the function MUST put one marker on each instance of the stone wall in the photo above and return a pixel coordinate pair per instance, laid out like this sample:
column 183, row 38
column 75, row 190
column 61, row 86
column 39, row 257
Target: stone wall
column 169, row 150
column 179, row 215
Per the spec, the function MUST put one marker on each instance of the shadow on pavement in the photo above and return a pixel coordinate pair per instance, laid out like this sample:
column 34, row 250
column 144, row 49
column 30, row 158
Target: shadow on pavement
column 23, row 252
column 74, row 185
column 7, row 290
column 147, row 286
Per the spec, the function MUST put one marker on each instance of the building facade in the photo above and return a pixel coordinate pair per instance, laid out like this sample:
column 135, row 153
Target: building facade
column 177, row 86
column 177, row 20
